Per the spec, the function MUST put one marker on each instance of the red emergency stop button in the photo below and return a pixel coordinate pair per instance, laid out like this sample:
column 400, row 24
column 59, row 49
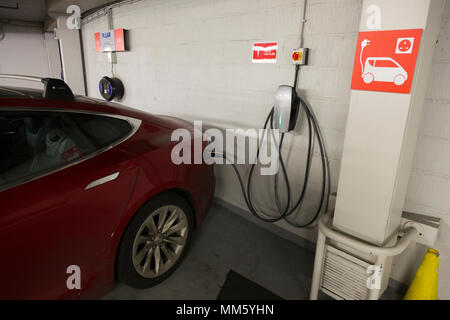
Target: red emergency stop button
column 299, row 56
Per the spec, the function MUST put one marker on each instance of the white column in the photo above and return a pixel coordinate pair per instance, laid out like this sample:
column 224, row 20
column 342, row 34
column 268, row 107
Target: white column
column 382, row 130
column 53, row 55
column 71, row 56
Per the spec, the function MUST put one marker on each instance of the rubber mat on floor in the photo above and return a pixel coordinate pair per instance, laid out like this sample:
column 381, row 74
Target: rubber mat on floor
column 237, row 287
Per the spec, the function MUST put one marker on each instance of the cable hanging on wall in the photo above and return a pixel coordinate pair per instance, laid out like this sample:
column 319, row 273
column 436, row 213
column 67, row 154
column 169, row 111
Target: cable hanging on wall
column 286, row 211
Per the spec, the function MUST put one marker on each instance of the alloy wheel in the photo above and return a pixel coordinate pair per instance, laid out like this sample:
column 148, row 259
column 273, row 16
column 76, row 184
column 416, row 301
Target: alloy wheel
column 160, row 241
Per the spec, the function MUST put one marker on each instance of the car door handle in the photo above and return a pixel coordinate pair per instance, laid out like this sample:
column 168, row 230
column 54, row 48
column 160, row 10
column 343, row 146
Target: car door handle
column 101, row 181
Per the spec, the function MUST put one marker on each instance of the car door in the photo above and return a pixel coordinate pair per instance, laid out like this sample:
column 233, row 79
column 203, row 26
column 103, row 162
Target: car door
column 63, row 187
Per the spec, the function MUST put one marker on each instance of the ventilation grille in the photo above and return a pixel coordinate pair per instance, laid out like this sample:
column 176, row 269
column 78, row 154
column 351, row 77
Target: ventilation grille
column 344, row 276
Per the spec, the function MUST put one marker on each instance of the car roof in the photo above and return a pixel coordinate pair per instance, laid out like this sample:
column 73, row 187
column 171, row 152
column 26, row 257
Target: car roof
column 35, row 98
column 17, row 92
column 7, row 92
column 15, row 97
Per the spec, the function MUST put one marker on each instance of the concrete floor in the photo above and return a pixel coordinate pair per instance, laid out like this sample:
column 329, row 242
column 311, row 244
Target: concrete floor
column 227, row 241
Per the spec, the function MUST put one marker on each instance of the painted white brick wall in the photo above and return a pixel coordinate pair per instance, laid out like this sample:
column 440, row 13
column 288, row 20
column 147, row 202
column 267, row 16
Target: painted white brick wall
column 192, row 59
column 429, row 185
column 28, row 51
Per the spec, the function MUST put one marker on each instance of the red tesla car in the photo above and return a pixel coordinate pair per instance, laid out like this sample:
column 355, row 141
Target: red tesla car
column 89, row 194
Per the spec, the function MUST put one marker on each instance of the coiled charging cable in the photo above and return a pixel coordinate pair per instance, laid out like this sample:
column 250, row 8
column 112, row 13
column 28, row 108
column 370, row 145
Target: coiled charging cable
column 286, row 212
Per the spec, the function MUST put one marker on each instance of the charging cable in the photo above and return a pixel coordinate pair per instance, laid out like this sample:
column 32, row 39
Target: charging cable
column 286, row 211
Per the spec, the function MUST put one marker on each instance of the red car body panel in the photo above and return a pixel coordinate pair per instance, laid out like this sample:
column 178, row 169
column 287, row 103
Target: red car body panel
column 52, row 222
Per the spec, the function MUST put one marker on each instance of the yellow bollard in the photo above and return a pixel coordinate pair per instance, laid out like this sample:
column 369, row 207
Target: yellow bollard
column 425, row 283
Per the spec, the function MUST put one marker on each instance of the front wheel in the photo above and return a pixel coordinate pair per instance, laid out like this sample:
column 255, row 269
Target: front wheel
column 399, row 80
column 368, row 78
column 155, row 242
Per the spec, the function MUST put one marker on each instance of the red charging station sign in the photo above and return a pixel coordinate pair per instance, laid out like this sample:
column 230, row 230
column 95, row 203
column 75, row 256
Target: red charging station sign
column 265, row 52
column 385, row 61
column 111, row 40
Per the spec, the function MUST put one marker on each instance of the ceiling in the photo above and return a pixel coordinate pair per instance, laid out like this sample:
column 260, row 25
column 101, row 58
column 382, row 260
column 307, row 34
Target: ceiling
column 57, row 7
column 43, row 11
column 23, row 10
column 61, row 5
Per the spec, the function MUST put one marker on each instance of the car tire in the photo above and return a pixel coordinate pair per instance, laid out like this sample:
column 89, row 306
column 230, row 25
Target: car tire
column 142, row 240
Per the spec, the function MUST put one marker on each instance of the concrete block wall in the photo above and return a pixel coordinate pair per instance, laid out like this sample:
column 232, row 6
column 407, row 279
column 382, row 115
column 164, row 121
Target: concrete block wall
column 429, row 184
column 192, row 59
column 28, row 51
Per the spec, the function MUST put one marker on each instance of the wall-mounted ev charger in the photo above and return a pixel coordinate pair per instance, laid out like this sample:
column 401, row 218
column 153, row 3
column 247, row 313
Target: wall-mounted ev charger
column 111, row 88
column 283, row 116
column 285, row 110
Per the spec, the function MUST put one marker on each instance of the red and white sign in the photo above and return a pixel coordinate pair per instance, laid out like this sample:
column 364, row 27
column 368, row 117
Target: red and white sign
column 265, row 52
column 119, row 39
column 98, row 42
column 111, row 40
column 385, row 61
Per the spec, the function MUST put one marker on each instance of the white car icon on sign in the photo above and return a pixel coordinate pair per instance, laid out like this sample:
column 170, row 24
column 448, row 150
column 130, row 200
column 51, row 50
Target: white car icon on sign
column 384, row 70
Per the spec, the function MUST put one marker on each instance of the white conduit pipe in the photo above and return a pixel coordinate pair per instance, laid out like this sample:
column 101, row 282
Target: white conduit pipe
column 410, row 235
column 381, row 253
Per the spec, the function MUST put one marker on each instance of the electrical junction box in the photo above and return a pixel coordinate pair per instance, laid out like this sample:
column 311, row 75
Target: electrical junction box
column 427, row 227
column 300, row 56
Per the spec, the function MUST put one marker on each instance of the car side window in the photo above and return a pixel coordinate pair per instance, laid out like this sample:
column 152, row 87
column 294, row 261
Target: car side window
column 386, row 64
column 33, row 143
